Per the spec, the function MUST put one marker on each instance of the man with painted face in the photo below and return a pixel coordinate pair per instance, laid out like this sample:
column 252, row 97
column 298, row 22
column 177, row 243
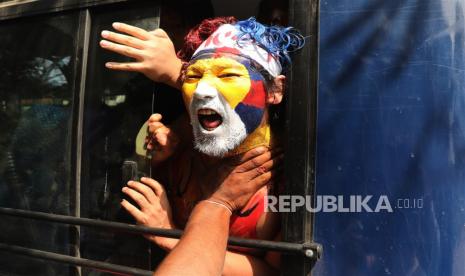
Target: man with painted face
column 224, row 92
column 228, row 84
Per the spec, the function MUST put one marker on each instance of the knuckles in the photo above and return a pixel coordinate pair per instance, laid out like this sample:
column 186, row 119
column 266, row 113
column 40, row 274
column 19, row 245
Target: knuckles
column 256, row 162
column 127, row 51
column 143, row 220
column 137, row 197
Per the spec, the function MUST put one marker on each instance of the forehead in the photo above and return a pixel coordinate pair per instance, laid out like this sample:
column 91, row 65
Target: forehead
column 217, row 63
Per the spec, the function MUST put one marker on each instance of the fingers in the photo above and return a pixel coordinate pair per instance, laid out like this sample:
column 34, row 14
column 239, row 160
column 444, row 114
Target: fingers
column 162, row 137
column 158, row 141
column 131, row 30
column 137, row 197
column 157, row 135
column 153, row 126
column 136, row 213
column 259, row 160
column 123, row 39
column 125, row 66
column 157, row 131
column 267, row 166
column 249, row 155
column 157, row 187
column 261, row 180
column 145, row 190
column 155, row 118
column 122, row 49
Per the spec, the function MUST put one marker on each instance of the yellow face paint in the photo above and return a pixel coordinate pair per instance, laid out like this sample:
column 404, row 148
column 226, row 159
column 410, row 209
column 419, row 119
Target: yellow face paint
column 229, row 77
column 232, row 80
column 260, row 137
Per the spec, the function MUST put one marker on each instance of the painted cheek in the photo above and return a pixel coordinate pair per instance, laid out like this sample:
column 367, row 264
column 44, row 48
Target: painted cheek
column 250, row 116
column 188, row 90
column 234, row 91
column 256, row 96
column 252, row 107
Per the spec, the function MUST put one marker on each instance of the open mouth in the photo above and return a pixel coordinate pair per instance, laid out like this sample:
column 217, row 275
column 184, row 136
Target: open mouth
column 209, row 119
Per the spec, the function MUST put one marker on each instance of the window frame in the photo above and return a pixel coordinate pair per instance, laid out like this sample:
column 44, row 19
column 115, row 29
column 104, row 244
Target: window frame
column 301, row 131
column 23, row 8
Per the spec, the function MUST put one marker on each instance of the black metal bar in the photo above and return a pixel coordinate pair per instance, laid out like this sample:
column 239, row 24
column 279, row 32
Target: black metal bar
column 294, row 248
column 36, row 7
column 79, row 80
column 82, row 49
column 301, row 132
column 112, row 268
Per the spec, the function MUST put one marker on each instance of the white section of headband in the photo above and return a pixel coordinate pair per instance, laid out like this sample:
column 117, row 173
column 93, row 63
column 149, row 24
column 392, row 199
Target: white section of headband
column 226, row 36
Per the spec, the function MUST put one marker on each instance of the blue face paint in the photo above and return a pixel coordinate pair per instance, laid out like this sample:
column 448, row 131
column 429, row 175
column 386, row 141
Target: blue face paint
column 252, row 107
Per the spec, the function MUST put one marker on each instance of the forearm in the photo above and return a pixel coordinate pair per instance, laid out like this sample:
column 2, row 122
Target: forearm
column 234, row 263
column 243, row 265
column 196, row 243
column 174, row 78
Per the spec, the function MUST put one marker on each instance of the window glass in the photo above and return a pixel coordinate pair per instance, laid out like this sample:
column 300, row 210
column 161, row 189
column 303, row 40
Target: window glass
column 36, row 92
column 116, row 106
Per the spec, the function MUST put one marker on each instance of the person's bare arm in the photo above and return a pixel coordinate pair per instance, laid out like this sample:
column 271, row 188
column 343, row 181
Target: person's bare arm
column 202, row 248
column 153, row 53
column 244, row 265
column 208, row 244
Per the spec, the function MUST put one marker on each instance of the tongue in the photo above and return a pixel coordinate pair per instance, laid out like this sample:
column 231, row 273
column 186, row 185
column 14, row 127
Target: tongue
column 210, row 121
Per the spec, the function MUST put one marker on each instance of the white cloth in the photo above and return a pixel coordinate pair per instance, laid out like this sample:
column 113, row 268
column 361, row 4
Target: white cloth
column 226, row 36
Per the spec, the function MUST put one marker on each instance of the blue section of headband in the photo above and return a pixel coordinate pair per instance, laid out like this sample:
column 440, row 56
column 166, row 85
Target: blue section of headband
column 276, row 40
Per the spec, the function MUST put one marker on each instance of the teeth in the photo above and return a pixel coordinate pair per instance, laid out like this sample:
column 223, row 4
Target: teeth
column 206, row 112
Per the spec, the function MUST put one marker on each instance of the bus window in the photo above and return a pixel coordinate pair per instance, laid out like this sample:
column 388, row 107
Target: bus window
column 116, row 105
column 36, row 103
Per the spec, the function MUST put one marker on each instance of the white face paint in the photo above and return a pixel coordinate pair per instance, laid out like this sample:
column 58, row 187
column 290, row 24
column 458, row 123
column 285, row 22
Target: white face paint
column 225, row 137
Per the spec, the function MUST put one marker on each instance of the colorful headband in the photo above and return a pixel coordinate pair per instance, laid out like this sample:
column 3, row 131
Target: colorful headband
column 269, row 46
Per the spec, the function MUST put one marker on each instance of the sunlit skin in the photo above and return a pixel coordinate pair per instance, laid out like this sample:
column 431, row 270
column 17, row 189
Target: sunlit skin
column 190, row 174
column 228, row 76
column 236, row 83
column 242, row 87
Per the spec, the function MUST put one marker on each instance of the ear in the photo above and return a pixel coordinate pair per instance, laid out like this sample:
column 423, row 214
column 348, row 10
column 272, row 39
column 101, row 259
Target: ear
column 275, row 95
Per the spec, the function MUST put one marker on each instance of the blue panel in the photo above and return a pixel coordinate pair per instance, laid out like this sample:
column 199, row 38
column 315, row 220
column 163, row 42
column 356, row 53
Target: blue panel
column 391, row 121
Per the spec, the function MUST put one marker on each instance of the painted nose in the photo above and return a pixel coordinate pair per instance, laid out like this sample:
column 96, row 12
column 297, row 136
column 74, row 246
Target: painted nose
column 204, row 91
